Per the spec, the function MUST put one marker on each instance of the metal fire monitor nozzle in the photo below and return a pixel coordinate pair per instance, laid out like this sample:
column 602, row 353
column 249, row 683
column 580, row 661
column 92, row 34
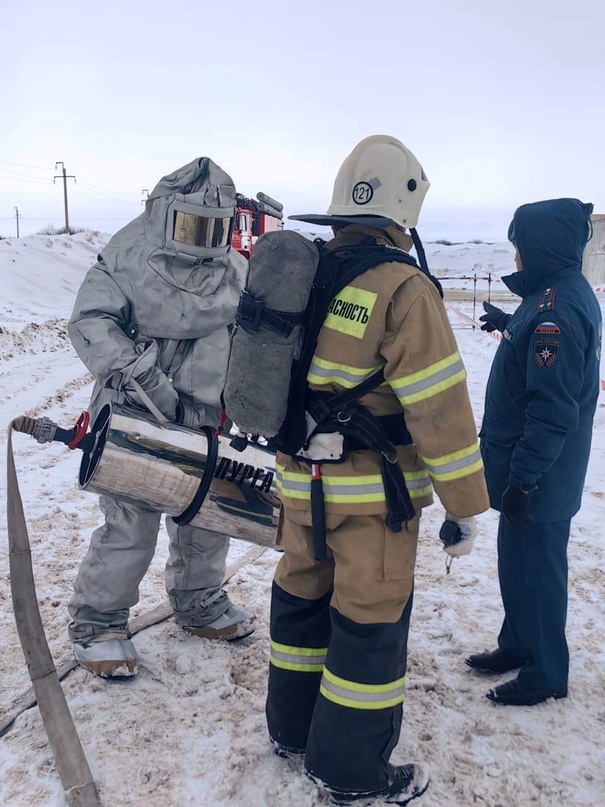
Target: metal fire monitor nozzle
column 171, row 468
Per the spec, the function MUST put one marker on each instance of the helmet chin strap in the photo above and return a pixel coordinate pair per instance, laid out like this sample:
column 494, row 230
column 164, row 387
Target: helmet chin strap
column 422, row 260
column 419, row 250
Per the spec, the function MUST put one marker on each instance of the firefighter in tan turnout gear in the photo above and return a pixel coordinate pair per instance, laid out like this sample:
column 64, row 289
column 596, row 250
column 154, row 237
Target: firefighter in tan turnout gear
column 339, row 626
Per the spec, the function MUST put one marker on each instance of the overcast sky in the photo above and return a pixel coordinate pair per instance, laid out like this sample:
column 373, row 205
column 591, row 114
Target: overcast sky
column 502, row 102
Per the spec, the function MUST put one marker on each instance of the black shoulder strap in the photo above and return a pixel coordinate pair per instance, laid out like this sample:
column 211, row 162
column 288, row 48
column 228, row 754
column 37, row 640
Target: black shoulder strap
column 359, row 258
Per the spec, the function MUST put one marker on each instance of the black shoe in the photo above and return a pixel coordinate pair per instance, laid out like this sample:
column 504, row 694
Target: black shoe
column 497, row 662
column 514, row 693
column 406, row 782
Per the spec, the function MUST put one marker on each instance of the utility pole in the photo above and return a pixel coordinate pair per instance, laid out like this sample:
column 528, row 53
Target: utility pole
column 145, row 193
column 65, row 177
column 17, row 217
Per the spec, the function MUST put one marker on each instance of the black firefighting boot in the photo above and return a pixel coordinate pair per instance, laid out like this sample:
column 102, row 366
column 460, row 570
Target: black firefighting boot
column 405, row 783
column 284, row 751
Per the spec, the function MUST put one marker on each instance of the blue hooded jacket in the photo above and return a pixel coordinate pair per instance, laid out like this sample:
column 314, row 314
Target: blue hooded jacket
column 544, row 383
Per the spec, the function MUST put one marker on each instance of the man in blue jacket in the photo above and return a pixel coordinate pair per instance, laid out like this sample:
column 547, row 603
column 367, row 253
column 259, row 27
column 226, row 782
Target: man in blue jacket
column 540, row 402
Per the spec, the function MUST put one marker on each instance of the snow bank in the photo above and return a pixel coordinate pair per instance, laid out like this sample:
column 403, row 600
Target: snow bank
column 40, row 275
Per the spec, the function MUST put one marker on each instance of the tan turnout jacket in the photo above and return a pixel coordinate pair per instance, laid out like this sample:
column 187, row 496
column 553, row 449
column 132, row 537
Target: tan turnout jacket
column 392, row 317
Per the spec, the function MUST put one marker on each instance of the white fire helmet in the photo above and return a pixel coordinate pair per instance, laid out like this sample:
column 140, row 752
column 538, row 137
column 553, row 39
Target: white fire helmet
column 380, row 183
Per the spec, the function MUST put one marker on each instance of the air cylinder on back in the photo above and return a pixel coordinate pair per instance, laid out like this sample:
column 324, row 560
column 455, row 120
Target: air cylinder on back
column 280, row 274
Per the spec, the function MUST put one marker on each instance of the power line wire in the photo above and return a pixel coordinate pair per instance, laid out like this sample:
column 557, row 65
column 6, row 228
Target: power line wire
column 23, row 165
column 54, row 217
column 102, row 200
column 118, row 197
column 25, row 179
column 107, row 192
column 19, row 174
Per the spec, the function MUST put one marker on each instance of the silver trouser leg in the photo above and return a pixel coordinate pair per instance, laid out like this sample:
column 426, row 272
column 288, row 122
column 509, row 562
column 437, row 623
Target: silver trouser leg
column 107, row 583
column 194, row 573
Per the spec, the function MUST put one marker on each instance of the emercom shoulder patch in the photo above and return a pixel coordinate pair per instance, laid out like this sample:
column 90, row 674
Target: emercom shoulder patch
column 548, row 328
column 350, row 311
column 546, row 352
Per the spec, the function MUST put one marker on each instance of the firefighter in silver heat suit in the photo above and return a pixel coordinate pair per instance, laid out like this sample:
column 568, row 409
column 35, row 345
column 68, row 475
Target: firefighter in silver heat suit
column 151, row 324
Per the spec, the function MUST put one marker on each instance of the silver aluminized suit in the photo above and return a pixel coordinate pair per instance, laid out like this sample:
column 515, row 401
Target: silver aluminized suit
column 155, row 311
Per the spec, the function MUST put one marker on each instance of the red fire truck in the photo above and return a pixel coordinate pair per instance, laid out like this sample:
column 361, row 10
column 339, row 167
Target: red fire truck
column 253, row 218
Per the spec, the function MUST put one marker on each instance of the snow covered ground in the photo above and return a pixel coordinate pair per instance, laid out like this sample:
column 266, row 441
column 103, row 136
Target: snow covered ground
column 457, row 264
column 190, row 730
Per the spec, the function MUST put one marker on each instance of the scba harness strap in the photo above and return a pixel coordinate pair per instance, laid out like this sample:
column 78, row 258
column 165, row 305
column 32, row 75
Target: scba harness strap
column 311, row 413
column 340, row 412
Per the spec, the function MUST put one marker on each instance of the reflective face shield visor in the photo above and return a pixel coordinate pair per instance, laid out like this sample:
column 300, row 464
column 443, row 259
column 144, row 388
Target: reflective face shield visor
column 202, row 231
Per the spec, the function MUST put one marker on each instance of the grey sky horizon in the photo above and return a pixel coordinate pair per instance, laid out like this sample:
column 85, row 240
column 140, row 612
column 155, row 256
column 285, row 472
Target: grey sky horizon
column 501, row 102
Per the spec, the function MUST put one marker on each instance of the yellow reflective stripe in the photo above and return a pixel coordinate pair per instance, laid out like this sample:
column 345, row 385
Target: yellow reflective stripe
column 446, row 459
column 298, row 659
column 299, row 651
column 343, row 489
column 295, row 477
column 295, row 486
column 290, row 493
column 354, row 498
column 350, row 311
column 456, row 465
column 354, row 704
column 292, row 485
column 418, row 484
column 364, row 489
column 287, row 665
column 431, row 381
column 453, row 475
column 361, row 696
column 322, row 371
column 354, row 489
column 354, row 686
column 367, row 479
column 420, row 493
column 357, row 371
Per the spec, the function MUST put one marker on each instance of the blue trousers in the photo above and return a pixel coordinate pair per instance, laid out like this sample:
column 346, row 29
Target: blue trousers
column 532, row 567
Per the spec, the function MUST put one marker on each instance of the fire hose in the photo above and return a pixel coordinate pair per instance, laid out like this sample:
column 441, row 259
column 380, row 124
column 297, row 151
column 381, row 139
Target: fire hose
column 76, row 777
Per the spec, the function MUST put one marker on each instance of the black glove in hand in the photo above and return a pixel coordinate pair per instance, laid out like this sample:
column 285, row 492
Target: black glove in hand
column 495, row 319
column 515, row 505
